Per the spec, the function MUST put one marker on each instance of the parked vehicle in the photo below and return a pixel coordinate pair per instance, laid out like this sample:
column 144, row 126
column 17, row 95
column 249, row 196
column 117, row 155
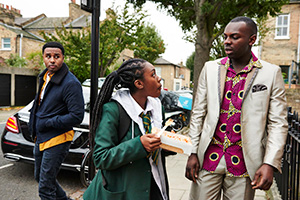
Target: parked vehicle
column 87, row 82
column 17, row 145
column 185, row 93
column 177, row 106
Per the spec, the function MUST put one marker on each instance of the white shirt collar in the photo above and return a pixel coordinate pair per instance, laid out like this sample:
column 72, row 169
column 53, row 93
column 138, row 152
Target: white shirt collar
column 133, row 109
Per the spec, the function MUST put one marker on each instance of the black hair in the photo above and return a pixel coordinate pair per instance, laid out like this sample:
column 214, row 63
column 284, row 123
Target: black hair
column 249, row 22
column 54, row 45
column 124, row 77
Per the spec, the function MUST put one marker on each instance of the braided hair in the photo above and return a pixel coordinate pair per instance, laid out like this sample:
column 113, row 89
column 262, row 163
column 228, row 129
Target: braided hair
column 124, row 77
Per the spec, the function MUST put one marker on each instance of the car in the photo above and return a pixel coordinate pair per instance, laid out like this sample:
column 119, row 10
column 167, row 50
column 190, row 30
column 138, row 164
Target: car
column 87, row 82
column 17, row 145
column 185, row 93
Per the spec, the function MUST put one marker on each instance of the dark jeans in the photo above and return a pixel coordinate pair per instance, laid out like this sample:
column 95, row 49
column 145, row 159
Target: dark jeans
column 47, row 164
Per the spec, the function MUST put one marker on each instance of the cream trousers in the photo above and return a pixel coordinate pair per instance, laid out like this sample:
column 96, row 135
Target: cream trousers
column 211, row 186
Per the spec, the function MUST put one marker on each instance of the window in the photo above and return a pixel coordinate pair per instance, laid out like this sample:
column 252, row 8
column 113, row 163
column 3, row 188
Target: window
column 158, row 71
column 282, row 26
column 177, row 86
column 5, row 43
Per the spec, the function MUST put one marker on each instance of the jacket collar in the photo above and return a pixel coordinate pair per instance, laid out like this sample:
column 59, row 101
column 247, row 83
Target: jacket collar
column 59, row 75
column 224, row 64
column 253, row 62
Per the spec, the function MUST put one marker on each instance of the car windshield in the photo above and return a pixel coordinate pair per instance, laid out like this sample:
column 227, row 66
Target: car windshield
column 87, row 82
column 86, row 87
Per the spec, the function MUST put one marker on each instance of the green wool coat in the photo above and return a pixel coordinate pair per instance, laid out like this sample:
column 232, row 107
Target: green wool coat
column 124, row 164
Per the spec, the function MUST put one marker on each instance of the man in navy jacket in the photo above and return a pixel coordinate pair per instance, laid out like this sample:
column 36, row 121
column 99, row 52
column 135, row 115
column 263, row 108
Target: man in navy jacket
column 57, row 107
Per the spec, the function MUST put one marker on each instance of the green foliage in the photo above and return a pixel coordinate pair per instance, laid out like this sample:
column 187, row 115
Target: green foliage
column 218, row 50
column 209, row 18
column 284, row 75
column 263, row 28
column 15, row 60
column 190, row 64
column 149, row 44
column 118, row 32
column 77, row 45
column 35, row 60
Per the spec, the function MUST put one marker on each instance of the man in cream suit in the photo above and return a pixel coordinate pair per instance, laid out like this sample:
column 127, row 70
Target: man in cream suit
column 238, row 124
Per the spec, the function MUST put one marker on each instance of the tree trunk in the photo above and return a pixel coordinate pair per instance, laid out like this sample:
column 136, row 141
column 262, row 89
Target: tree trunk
column 203, row 43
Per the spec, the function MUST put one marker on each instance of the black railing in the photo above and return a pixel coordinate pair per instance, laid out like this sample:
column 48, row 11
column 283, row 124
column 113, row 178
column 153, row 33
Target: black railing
column 288, row 181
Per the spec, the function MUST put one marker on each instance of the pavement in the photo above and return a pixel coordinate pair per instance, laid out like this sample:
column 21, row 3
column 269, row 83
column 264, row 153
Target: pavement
column 6, row 112
column 179, row 185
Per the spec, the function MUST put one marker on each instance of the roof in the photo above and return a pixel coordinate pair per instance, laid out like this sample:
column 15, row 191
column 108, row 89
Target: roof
column 21, row 20
column 19, row 31
column 82, row 21
column 161, row 61
column 47, row 22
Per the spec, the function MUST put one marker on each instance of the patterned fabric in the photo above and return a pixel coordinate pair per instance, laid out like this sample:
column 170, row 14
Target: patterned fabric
column 227, row 137
column 147, row 126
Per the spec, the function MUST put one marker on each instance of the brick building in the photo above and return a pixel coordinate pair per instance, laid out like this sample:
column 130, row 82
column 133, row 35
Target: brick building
column 174, row 77
column 21, row 36
column 281, row 46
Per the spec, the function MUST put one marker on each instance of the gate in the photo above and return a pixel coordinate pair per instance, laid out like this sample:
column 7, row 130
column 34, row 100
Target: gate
column 288, row 181
column 5, row 89
column 25, row 89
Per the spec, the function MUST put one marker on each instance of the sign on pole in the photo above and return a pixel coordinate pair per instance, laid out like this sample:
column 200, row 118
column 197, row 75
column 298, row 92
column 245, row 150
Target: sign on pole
column 86, row 5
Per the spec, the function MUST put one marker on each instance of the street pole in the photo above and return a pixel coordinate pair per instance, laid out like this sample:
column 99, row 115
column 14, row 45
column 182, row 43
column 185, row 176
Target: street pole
column 94, row 74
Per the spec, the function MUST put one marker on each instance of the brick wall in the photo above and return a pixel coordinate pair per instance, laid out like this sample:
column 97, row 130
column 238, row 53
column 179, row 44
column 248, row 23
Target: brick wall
column 282, row 52
column 5, row 33
column 75, row 11
column 168, row 74
column 187, row 76
column 30, row 45
column 293, row 98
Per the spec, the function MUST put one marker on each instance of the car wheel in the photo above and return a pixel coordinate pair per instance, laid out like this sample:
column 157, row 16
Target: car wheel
column 84, row 169
column 178, row 125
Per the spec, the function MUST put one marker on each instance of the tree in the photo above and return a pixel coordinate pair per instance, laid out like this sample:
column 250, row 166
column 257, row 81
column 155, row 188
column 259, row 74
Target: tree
column 149, row 45
column 190, row 64
column 117, row 32
column 210, row 18
column 77, row 45
column 35, row 61
column 15, row 60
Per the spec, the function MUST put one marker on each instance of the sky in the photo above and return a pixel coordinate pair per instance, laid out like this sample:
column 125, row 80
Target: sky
column 177, row 49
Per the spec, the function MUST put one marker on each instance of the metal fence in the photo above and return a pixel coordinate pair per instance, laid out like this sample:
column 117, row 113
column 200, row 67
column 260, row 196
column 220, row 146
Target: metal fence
column 288, row 181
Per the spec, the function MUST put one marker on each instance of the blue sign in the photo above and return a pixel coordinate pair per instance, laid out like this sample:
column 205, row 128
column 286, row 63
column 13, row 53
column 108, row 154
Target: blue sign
column 185, row 102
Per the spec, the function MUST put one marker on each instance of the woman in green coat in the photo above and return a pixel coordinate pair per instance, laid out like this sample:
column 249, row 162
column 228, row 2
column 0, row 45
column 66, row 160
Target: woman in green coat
column 133, row 167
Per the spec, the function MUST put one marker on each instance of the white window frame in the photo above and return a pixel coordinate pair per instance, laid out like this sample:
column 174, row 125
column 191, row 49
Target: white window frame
column 287, row 36
column 3, row 43
column 158, row 71
column 177, row 84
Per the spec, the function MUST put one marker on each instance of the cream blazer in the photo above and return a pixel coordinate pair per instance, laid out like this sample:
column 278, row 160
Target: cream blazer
column 263, row 117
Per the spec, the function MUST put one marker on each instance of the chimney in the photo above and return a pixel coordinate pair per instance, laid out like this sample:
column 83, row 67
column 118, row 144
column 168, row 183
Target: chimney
column 73, row 1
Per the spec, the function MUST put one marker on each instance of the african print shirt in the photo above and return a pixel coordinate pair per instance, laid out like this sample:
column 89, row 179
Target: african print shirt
column 227, row 137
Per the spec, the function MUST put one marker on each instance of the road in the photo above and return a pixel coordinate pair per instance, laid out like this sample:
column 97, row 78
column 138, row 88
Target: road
column 17, row 179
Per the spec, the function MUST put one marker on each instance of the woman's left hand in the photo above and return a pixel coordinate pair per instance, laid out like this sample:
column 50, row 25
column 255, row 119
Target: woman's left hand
column 150, row 142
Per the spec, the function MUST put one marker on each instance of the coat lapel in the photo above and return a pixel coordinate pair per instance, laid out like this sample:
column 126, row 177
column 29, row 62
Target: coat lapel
column 249, row 80
column 221, row 78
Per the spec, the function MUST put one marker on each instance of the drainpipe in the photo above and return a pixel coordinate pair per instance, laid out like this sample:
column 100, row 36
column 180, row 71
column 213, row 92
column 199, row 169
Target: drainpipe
column 291, row 73
column 20, row 47
column 298, row 52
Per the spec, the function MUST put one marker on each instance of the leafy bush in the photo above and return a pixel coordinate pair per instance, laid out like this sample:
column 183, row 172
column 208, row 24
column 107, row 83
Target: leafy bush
column 15, row 60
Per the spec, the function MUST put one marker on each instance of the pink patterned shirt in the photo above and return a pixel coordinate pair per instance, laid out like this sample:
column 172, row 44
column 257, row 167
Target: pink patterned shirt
column 227, row 138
